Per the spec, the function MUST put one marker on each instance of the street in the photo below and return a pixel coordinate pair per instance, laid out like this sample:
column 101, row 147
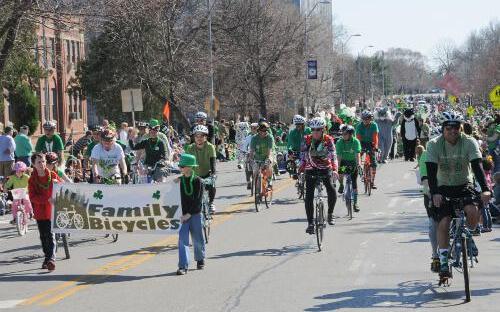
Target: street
column 262, row 261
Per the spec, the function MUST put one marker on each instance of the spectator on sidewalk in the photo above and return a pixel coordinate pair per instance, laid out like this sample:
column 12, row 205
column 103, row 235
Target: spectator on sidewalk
column 7, row 149
column 24, row 148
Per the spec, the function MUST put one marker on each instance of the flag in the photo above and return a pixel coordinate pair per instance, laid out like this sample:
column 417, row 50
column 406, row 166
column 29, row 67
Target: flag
column 166, row 111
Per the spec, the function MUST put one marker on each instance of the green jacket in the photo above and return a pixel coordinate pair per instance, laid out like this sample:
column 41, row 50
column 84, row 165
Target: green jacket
column 296, row 138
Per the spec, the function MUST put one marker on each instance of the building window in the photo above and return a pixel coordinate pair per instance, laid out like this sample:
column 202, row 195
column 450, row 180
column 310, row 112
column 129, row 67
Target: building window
column 80, row 107
column 78, row 57
column 73, row 52
column 53, row 108
column 70, row 103
column 36, row 54
column 68, row 51
column 52, row 43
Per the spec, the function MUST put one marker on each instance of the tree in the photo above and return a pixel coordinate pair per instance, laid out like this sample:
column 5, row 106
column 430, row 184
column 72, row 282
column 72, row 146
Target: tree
column 26, row 107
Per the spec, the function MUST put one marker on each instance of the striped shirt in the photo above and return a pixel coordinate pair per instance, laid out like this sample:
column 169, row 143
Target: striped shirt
column 318, row 154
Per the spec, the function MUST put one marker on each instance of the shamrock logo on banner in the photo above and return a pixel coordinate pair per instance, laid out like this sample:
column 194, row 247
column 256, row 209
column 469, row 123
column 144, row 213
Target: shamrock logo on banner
column 156, row 195
column 98, row 194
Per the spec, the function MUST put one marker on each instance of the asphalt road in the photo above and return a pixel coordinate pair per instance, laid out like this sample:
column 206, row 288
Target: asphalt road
column 258, row 261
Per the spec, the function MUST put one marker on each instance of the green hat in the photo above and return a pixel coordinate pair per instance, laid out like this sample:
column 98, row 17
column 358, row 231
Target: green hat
column 153, row 123
column 188, row 160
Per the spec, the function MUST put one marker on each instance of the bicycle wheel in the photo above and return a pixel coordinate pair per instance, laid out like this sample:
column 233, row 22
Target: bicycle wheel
column 269, row 198
column 300, row 186
column 257, row 188
column 206, row 224
column 21, row 223
column 320, row 220
column 348, row 202
column 465, row 268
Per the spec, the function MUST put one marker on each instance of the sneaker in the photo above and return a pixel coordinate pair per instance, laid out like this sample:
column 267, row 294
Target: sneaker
column 240, row 166
column 51, row 265
column 331, row 220
column 374, row 187
column 295, row 176
column 249, row 185
column 200, row 265
column 310, row 229
column 486, row 230
column 44, row 265
column 355, row 207
column 444, row 270
column 211, row 208
column 435, row 265
column 476, row 232
column 341, row 189
column 182, row 271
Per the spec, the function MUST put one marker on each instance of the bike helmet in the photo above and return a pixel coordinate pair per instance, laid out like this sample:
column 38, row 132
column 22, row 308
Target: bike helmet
column 366, row 115
column 107, row 135
column 263, row 126
column 142, row 124
column 451, row 118
column 20, row 167
column 200, row 115
column 97, row 129
column 347, row 129
column 254, row 125
column 317, row 123
column 51, row 158
column 49, row 125
column 200, row 129
column 298, row 120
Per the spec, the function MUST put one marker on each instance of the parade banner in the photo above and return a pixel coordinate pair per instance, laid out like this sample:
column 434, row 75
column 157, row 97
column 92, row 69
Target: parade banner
column 97, row 208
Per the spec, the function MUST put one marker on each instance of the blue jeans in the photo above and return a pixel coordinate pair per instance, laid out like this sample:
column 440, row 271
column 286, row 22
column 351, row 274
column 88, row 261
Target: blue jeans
column 194, row 226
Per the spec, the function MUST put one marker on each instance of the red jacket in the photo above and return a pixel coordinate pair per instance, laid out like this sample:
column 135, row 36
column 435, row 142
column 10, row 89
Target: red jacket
column 40, row 192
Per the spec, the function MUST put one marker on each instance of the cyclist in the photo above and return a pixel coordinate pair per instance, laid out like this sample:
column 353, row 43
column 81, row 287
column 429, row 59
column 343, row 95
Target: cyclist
column 348, row 152
column 246, row 148
column 261, row 148
column 295, row 138
column 50, row 141
column 450, row 159
column 204, row 152
column 16, row 181
column 52, row 160
column 153, row 147
column 319, row 159
column 108, row 158
column 200, row 118
column 367, row 134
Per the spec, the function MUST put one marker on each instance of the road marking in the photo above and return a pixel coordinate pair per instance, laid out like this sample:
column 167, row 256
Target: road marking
column 9, row 304
column 67, row 289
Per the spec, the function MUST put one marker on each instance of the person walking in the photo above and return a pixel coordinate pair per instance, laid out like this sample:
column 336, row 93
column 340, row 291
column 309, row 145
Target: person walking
column 24, row 148
column 7, row 149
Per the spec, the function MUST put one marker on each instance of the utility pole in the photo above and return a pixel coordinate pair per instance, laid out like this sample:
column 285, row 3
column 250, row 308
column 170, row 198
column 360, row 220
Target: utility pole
column 210, row 56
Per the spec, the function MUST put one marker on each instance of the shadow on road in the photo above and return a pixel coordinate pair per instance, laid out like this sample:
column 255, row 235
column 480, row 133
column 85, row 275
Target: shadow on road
column 410, row 295
column 237, row 211
column 272, row 252
column 296, row 220
column 404, row 224
column 412, row 193
column 84, row 279
column 231, row 196
column 145, row 250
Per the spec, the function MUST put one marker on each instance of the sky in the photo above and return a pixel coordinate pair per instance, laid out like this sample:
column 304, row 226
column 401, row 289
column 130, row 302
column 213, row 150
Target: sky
column 415, row 24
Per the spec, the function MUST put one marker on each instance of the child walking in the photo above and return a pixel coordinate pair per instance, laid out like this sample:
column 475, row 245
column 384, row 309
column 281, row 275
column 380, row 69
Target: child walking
column 192, row 222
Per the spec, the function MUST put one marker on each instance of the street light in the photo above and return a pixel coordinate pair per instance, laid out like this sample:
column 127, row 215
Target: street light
column 343, row 65
column 306, row 53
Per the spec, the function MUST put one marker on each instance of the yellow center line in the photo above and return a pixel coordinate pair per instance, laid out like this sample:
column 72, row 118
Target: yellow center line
column 66, row 289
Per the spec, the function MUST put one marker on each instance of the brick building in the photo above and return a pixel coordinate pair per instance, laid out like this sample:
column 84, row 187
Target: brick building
column 60, row 46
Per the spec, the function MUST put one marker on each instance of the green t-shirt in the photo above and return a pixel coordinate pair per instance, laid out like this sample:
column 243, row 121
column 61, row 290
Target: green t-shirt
column 23, row 145
column 296, row 138
column 53, row 145
column 346, row 150
column 453, row 160
column 422, row 168
column 492, row 130
column 366, row 133
column 203, row 156
column 261, row 146
column 14, row 182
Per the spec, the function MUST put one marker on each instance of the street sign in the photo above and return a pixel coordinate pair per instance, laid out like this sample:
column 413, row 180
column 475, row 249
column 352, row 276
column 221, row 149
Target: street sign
column 495, row 97
column 452, row 99
column 216, row 107
column 132, row 100
column 312, row 69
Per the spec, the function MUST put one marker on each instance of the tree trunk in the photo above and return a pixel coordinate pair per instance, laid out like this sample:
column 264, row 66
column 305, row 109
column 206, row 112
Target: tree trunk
column 262, row 99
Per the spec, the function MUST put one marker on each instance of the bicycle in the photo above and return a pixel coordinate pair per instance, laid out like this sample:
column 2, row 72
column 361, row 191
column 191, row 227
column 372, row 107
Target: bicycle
column 207, row 216
column 249, row 170
column 367, row 173
column 158, row 172
column 292, row 165
column 461, row 253
column 63, row 239
column 67, row 218
column 21, row 215
column 261, row 185
column 348, row 195
column 319, row 210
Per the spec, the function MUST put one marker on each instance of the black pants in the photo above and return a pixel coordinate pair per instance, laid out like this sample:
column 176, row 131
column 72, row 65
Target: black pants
column 409, row 148
column 351, row 168
column 310, row 187
column 211, row 191
column 48, row 239
column 392, row 154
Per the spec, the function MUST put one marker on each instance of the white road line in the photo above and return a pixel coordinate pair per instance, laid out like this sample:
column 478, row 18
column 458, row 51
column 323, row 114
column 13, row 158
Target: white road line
column 9, row 304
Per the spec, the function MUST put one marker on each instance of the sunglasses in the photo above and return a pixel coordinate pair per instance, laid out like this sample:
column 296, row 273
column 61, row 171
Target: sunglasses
column 454, row 127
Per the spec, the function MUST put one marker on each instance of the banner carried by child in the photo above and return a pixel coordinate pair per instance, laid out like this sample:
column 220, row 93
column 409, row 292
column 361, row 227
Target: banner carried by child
column 97, row 208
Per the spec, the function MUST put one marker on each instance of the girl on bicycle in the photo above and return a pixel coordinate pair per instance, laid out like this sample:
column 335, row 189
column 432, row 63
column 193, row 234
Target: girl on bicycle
column 319, row 159
column 19, row 181
column 52, row 161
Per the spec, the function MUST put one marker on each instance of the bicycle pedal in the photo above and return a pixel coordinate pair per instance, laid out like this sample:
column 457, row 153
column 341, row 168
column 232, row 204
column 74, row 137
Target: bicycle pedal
column 444, row 281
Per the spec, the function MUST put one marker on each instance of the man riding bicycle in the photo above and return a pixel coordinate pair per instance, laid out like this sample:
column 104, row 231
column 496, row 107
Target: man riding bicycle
column 246, row 149
column 153, row 147
column 107, row 159
column 261, row 148
column 50, row 142
column 319, row 159
column 450, row 159
column 200, row 119
column 348, row 152
column 295, row 138
column 367, row 134
column 204, row 152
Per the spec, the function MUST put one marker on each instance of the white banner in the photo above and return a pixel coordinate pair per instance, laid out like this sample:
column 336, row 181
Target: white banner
column 96, row 208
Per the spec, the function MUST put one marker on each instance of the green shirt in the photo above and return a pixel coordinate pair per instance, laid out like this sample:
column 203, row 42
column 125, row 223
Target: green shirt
column 203, row 156
column 296, row 138
column 366, row 133
column 422, row 168
column 261, row 146
column 23, row 145
column 14, row 182
column 347, row 150
column 453, row 160
column 492, row 130
column 53, row 145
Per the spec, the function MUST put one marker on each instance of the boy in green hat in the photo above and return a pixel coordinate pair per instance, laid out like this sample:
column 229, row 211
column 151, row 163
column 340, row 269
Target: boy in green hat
column 191, row 197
